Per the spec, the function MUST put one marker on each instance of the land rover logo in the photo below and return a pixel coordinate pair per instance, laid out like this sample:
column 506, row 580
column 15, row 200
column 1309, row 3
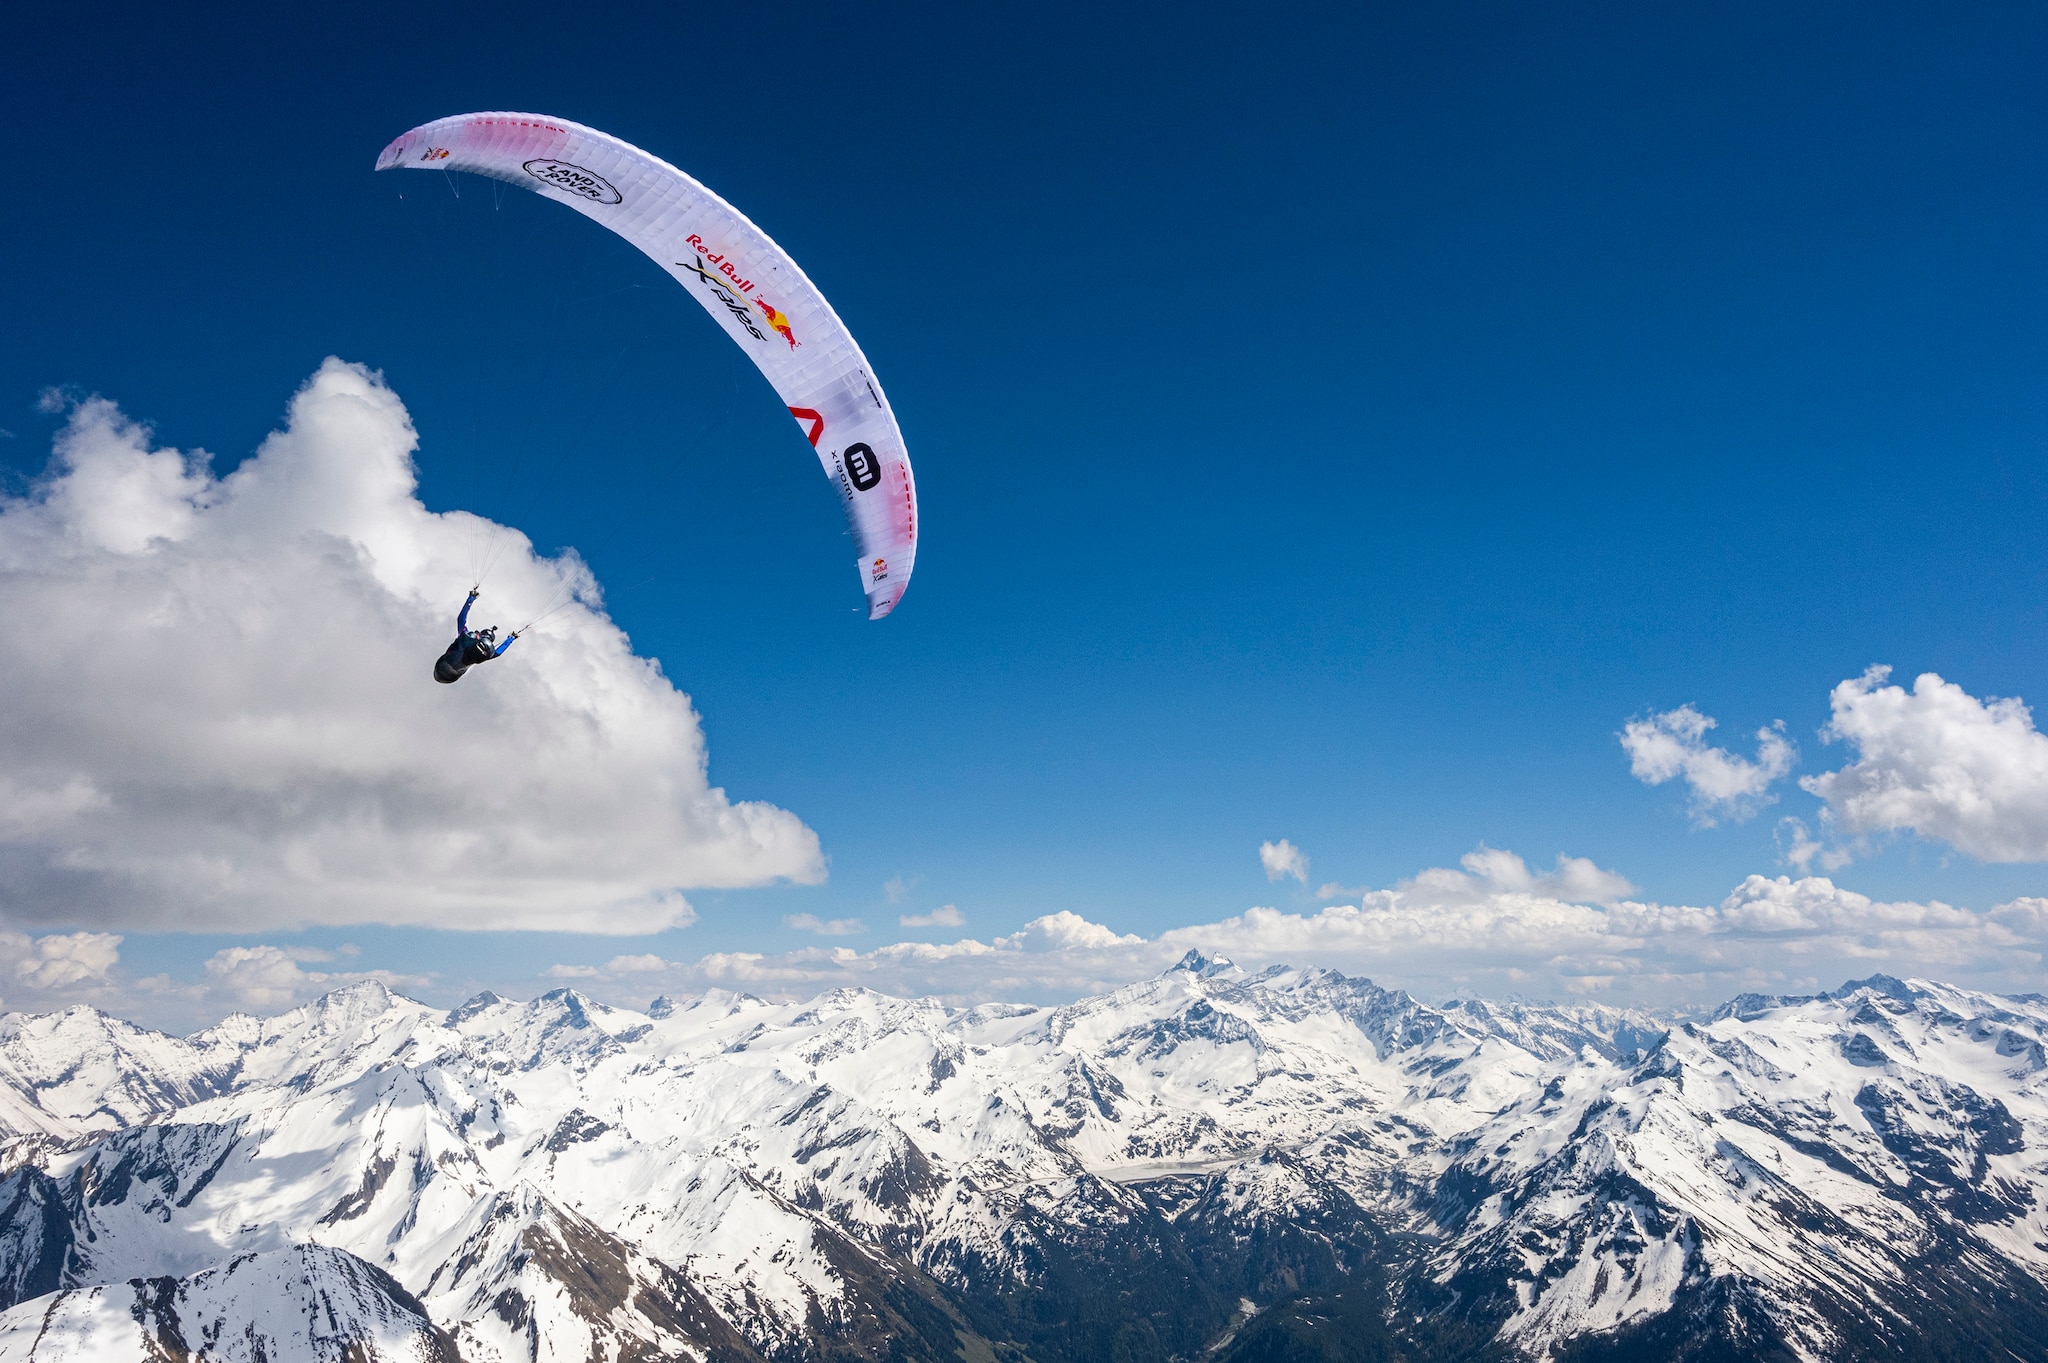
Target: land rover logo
column 574, row 179
column 862, row 468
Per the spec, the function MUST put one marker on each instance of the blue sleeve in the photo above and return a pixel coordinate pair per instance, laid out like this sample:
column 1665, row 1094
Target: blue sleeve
column 500, row 652
column 462, row 620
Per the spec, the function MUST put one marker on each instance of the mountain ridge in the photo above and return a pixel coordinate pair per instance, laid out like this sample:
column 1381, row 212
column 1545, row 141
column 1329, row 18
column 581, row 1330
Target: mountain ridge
column 1204, row 1164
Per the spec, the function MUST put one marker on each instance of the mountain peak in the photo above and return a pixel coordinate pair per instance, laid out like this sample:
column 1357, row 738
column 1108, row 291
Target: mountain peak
column 575, row 1005
column 1205, row 967
column 1881, row 984
column 355, row 997
column 471, row 1007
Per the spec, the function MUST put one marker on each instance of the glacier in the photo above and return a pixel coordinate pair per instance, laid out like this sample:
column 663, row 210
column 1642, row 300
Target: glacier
column 1204, row 1165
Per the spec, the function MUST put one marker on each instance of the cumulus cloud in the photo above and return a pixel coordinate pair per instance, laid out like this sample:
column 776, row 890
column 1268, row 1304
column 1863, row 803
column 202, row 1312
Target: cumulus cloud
column 824, row 927
column 1488, row 926
column 1282, row 859
column 944, row 916
column 59, row 969
column 218, row 713
column 267, row 979
column 1938, row 762
column 1066, row 931
column 1490, row 870
column 61, row 960
column 1723, row 785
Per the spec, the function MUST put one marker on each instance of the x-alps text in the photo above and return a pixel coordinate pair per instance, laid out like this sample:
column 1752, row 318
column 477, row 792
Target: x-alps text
column 741, row 313
column 778, row 320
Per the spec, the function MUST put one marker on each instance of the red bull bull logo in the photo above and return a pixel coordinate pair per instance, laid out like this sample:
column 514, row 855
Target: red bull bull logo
column 881, row 570
column 778, row 320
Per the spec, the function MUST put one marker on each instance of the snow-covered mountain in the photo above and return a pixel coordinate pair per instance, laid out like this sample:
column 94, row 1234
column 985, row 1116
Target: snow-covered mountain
column 1251, row 1169
column 307, row 1302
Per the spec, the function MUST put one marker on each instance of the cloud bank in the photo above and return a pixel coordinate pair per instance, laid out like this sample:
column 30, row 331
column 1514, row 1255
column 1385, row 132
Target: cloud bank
column 267, row 979
column 1492, row 927
column 219, row 715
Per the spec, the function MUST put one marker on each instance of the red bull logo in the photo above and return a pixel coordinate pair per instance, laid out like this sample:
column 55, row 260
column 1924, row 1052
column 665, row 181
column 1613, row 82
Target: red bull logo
column 881, row 570
column 778, row 320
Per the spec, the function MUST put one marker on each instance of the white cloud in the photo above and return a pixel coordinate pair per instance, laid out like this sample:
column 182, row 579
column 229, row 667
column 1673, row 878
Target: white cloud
column 1802, row 849
column 1066, row 931
column 1797, row 842
column 218, row 712
column 1490, row 870
column 1938, row 762
column 267, row 978
column 944, row 916
column 1283, row 858
column 1489, row 926
column 824, row 927
column 617, row 965
column 61, row 960
column 1723, row 785
column 59, row 969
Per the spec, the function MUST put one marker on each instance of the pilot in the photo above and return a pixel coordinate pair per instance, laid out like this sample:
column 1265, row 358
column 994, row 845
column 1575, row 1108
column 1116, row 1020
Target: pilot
column 470, row 647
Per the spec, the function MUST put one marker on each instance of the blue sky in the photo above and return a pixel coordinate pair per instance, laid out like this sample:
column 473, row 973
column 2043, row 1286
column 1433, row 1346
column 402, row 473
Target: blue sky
column 1332, row 423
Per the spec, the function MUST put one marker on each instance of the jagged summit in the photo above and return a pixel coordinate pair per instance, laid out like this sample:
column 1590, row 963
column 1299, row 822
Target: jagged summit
column 862, row 1176
column 1206, row 967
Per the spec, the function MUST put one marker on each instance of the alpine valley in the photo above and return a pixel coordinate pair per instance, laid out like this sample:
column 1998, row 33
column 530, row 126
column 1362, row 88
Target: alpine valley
column 1287, row 1166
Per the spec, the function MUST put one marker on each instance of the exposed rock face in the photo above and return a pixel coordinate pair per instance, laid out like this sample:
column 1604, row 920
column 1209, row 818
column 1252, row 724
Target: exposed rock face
column 1289, row 1166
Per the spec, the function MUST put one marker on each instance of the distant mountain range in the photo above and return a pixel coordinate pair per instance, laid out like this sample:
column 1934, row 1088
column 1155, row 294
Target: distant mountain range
column 1205, row 1166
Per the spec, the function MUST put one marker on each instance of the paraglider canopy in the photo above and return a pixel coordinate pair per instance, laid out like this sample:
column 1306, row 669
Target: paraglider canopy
column 745, row 281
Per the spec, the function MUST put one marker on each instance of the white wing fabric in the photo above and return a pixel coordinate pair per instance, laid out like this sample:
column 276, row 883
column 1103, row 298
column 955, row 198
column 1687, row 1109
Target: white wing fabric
column 743, row 279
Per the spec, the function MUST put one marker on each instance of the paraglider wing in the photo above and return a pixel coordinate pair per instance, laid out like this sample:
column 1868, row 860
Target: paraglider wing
column 744, row 280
